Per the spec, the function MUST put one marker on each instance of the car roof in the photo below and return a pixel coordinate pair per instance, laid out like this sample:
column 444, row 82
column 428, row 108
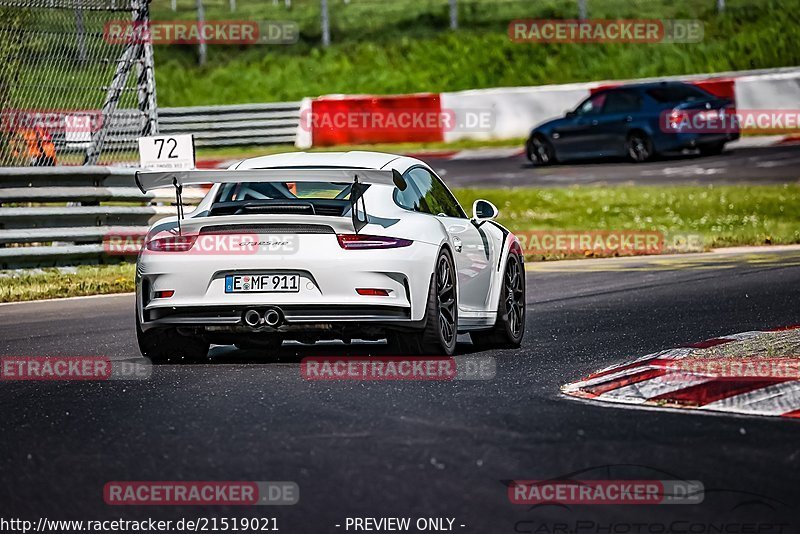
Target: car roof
column 355, row 159
column 642, row 86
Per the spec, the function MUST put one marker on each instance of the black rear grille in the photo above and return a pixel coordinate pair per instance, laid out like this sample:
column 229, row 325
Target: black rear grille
column 268, row 229
column 335, row 211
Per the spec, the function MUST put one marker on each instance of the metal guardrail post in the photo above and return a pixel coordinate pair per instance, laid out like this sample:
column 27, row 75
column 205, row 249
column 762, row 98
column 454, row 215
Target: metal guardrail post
column 325, row 22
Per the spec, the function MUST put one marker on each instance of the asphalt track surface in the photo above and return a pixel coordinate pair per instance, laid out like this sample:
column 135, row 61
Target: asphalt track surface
column 752, row 165
column 416, row 449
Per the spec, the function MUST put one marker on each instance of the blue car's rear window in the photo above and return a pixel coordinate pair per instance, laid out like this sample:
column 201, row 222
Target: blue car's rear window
column 678, row 93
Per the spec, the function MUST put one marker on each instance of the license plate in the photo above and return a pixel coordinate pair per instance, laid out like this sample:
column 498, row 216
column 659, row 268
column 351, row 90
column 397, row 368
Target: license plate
column 262, row 283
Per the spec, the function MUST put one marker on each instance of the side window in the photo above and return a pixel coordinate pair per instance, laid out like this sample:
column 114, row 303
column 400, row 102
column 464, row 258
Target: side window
column 592, row 105
column 623, row 102
column 433, row 197
column 410, row 197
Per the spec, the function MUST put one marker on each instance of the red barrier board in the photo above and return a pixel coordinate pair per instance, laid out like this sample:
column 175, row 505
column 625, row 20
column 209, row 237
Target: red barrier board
column 354, row 120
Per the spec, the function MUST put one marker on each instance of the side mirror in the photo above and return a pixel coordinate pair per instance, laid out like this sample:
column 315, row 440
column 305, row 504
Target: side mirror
column 399, row 181
column 571, row 114
column 483, row 210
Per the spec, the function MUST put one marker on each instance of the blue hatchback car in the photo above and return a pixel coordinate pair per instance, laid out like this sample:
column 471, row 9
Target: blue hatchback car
column 634, row 121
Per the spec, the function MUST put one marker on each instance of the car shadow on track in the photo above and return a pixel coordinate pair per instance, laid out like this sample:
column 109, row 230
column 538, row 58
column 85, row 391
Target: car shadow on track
column 659, row 158
column 295, row 352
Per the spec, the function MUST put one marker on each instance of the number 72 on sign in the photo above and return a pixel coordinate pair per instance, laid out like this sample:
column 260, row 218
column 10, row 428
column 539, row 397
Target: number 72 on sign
column 167, row 152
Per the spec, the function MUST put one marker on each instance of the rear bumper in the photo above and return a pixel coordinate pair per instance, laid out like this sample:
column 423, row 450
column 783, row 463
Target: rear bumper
column 329, row 277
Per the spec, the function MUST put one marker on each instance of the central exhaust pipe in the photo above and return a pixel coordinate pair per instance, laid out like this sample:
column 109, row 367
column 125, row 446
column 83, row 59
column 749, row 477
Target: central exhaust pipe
column 252, row 318
column 272, row 317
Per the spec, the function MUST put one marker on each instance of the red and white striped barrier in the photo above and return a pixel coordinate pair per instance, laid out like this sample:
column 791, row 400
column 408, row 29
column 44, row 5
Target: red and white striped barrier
column 751, row 373
column 512, row 111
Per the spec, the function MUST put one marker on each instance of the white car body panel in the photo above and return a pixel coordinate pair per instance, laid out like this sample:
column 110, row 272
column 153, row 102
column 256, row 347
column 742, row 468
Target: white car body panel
column 329, row 274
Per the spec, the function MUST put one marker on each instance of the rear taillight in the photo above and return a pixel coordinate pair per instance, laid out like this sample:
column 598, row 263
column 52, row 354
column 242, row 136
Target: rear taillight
column 175, row 243
column 366, row 242
column 677, row 118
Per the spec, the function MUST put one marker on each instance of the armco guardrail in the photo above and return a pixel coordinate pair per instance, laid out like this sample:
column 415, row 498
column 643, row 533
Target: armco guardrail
column 247, row 124
column 53, row 216
column 237, row 125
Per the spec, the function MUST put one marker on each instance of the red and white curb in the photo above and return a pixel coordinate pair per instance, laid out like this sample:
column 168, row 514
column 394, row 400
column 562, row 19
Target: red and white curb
column 651, row 380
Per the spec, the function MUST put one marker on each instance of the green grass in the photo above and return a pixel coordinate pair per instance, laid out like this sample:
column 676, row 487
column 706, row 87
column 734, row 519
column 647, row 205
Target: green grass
column 722, row 215
column 374, row 53
column 40, row 284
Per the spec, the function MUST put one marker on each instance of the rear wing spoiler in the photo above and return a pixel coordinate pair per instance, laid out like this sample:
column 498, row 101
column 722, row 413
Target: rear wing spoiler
column 149, row 180
column 360, row 178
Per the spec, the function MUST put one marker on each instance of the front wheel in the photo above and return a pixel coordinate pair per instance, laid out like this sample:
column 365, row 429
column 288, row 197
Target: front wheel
column 509, row 328
column 438, row 337
column 166, row 345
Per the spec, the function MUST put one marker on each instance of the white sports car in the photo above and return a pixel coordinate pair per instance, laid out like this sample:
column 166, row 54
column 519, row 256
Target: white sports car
column 317, row 246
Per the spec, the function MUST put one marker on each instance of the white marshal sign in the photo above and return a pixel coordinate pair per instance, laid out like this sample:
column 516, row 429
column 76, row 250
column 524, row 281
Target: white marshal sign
column 167, row 152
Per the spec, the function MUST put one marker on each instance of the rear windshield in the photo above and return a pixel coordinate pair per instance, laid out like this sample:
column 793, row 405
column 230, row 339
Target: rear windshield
column 678, row 93
column 284, row 191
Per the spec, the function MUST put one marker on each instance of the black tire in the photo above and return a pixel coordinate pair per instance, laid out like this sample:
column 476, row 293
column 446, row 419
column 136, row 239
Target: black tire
column 714, row 149
column 438, row 337
column 639, row 147
column 540, row 151
column 166, row 345
column 509, row 328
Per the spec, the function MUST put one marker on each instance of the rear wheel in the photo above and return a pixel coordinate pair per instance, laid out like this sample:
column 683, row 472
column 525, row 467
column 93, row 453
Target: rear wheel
column 639, row 147
column 509, row 328
column 441, row 316
column 540, row 151
column 166, row 345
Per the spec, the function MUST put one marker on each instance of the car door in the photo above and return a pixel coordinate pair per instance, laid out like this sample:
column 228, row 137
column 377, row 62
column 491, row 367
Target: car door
column 474, row 251
column 576, row 136
column 621, row 110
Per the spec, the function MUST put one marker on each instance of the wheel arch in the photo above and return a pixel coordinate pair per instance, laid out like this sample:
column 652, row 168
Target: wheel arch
column 511, row 245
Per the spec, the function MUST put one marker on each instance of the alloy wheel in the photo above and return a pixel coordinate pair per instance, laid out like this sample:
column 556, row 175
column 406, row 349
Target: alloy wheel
column 638, row 148
column 446, row 297
column 515, row 295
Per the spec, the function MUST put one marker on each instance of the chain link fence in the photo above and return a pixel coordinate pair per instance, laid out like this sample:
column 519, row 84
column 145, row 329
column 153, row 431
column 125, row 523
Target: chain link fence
column 70, row 94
